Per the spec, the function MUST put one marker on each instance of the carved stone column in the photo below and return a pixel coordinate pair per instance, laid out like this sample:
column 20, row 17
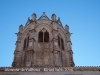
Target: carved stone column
column 17, row 56
column 56, row 53
column 69, row 43
column 53, row 17
column 56, row 50
column 30, row 51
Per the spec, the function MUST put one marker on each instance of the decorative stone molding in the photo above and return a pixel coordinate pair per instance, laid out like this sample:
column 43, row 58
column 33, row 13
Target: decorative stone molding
column 58, row 69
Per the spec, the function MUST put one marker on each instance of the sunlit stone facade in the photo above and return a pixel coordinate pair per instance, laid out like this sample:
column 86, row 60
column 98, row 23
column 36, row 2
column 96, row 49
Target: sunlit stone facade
column 43, row 42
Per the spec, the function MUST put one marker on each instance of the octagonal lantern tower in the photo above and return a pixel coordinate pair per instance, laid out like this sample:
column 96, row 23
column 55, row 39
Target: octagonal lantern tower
column 43, row 42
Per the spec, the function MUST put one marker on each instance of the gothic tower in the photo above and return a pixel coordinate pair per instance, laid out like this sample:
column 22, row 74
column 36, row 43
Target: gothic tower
column 43, row 42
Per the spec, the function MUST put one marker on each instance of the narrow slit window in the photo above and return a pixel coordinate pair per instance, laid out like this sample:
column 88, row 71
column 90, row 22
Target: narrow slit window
column 27, row 42
column 59, row 41
column 46, row 36
column 40, row 38
column 24, row 44
column 62, row 43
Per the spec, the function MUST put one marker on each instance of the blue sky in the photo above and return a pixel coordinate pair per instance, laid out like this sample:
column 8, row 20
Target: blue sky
column 82, row 16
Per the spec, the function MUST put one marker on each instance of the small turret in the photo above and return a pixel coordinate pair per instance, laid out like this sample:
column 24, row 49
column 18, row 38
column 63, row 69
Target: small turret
column 53, row 17
column 67, row 28
column 20, row 28
column 34, row 17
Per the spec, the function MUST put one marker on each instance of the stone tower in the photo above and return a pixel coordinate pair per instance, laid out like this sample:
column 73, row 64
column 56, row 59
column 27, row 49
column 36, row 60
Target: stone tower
column 43, row 42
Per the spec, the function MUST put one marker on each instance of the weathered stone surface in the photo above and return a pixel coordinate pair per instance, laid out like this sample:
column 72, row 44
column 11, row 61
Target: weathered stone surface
column 43, row 47
column 51, row 71
column 38, row 43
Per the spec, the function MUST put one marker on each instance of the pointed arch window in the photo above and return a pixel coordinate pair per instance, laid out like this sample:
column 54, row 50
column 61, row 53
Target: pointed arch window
column 43, row 36
column 40, row 38
column 60, row 42
column 26, row 42
column 46, row 36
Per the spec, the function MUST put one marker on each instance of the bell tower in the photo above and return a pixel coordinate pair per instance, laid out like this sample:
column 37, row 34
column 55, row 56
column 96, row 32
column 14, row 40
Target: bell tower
column 43, row 42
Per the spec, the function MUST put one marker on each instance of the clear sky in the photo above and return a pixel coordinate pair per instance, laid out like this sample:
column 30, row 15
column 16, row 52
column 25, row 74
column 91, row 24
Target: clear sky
column 82, row 16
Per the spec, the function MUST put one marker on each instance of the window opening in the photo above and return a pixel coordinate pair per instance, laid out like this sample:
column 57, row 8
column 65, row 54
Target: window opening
column 46, row 36
column 43, row 36
column 24, row 44
column 40, row 38
column 62, row 43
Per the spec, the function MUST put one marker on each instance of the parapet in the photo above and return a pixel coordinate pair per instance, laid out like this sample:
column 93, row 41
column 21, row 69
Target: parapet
column 76, row 68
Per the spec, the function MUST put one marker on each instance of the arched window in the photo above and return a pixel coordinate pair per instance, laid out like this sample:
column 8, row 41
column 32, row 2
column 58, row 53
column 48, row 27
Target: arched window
column 40, row 37
column 26, row 42
column 46, row 36
column 60, row 43
column 43, row 36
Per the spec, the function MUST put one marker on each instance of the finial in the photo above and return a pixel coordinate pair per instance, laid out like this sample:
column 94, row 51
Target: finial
column 58, row 18
column 43, row 12
column 28, row 18
column 53, row 14
column 21, row 25
column 53, row 17
column 33, row 14
column 20, row 28
column 67, row 25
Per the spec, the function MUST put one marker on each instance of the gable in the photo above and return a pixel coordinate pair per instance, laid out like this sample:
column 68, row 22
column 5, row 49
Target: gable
column 43, row 17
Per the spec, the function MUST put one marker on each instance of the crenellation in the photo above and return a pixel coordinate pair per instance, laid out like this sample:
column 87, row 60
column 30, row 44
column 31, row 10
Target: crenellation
column 76, row 68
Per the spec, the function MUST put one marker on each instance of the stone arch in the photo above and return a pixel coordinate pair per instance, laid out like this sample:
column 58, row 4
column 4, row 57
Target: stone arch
column 43, row 36
column 62, row 38
column 26, row 41
column 25, row 35
column 45, row 26
column 62, row 34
